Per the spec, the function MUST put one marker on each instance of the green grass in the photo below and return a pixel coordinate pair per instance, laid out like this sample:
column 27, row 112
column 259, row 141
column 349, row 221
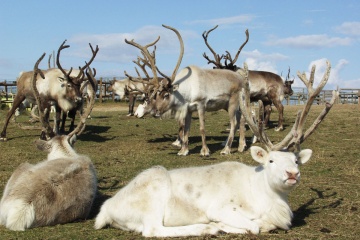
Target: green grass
column 326, row 204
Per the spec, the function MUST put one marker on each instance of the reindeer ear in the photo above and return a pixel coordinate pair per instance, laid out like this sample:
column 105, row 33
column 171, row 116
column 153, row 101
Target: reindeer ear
column 259, row 154
column 304, row 155
column 43, row 145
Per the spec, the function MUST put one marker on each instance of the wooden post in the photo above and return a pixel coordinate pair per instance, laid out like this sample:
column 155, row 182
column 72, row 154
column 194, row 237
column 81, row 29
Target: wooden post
column 113, row 93
column 100, row 92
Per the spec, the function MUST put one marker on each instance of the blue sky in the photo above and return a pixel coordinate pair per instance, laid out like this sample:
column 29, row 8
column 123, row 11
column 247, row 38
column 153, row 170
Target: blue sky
column 295, row 34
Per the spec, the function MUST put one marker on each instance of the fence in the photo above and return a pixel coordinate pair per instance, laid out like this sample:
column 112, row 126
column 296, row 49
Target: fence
column 299, row 97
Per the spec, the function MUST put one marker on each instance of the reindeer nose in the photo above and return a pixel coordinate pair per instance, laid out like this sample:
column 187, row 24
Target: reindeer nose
column 292, row 174
column 78, row 99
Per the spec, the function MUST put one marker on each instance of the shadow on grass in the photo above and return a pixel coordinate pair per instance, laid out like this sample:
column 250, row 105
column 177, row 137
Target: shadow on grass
column 98, row 202
column 308, row 209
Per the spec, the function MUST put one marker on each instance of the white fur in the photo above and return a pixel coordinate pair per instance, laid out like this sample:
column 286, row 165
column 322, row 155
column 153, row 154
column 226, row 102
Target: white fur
column 229, row 196
column 58, row 190
column 201, row 90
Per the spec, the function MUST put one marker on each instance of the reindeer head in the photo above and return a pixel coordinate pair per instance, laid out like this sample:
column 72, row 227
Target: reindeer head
column 71, row 83
column 287, row 85
column 281, row 167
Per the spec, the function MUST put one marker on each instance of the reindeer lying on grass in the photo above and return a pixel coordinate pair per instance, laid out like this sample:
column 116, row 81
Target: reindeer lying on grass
column 229, row 196
column 59, row 190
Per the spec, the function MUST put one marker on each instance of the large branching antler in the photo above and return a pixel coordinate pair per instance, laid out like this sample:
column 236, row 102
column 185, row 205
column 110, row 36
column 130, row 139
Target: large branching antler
column 228, row 57
column 80, row 77
column 46, row 128
column 217, row 57
column 296, row 135
column 149, row 60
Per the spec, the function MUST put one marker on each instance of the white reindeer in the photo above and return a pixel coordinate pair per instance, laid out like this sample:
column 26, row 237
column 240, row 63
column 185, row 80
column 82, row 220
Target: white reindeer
column 230, row 196
column 59, row 190
column 192, row 89
column 125, row 87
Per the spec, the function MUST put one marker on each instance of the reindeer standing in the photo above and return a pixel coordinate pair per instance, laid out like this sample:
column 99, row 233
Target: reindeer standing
column 59, row 87
column 60, row 189
column 227, row 197
column 192, row 89
column 265, row 86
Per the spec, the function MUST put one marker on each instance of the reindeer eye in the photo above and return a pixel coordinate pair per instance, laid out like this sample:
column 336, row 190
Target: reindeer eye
column 271, row 161
column 296, row 162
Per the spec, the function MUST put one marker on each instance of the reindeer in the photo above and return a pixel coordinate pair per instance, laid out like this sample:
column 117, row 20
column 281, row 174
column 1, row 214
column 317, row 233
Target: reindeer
column 60, row 189
column 265, row 86
column 59, row 87
column 85, row 93
column 192, row 89
column 226, row 197
column 125, row 87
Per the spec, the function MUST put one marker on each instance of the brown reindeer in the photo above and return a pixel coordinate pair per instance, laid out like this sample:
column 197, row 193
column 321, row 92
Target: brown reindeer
column 265, row 86
column 59, row 86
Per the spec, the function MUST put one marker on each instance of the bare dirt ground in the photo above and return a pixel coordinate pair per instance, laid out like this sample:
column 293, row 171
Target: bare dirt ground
column 111, row 107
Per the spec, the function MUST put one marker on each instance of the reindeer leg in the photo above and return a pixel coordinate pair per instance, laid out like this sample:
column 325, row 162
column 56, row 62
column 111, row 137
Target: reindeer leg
column 204, row 149
column 131, row 105
column 178, row 141
column 72, row 115
column 280, row 109
column 233, row 123
column 267, row 111
column 16, row 103
column 185, row 141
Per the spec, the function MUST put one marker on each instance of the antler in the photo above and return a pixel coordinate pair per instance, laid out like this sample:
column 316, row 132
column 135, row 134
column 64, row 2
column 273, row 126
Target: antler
column 217, row 61
column 228, row 57
column 87, row 64
column 81, row 75
column 62, row 46
column 49, row 65
column 81, row 126
column 296, row 136
column 46, row 128
column 149, row 60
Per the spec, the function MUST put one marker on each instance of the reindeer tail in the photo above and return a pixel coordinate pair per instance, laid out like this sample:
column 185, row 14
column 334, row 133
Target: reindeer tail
column 103, row 218
column 20, row 215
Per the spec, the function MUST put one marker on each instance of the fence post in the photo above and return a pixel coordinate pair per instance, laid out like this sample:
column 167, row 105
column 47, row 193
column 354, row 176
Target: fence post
column 100, row 92
column 113, row 92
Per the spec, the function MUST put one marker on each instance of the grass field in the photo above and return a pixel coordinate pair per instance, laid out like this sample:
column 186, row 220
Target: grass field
column 326, row 204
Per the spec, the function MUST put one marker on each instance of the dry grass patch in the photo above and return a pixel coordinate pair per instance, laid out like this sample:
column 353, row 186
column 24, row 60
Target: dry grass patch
column 326, row 204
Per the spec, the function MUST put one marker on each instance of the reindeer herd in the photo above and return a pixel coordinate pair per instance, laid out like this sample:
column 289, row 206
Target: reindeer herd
column 228, row 197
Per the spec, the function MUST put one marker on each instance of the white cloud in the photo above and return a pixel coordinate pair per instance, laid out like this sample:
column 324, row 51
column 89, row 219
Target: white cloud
column 225, row 21
column 334, row 79
column 310, row 41
column 114, row 49
column 257, row 60
column 349, row 28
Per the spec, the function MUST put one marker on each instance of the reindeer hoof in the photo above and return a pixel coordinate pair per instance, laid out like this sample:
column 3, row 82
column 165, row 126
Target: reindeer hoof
column 3, row 139
column 177, row 143
column 205, row 152
column 277, row 129
column 183, row 153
